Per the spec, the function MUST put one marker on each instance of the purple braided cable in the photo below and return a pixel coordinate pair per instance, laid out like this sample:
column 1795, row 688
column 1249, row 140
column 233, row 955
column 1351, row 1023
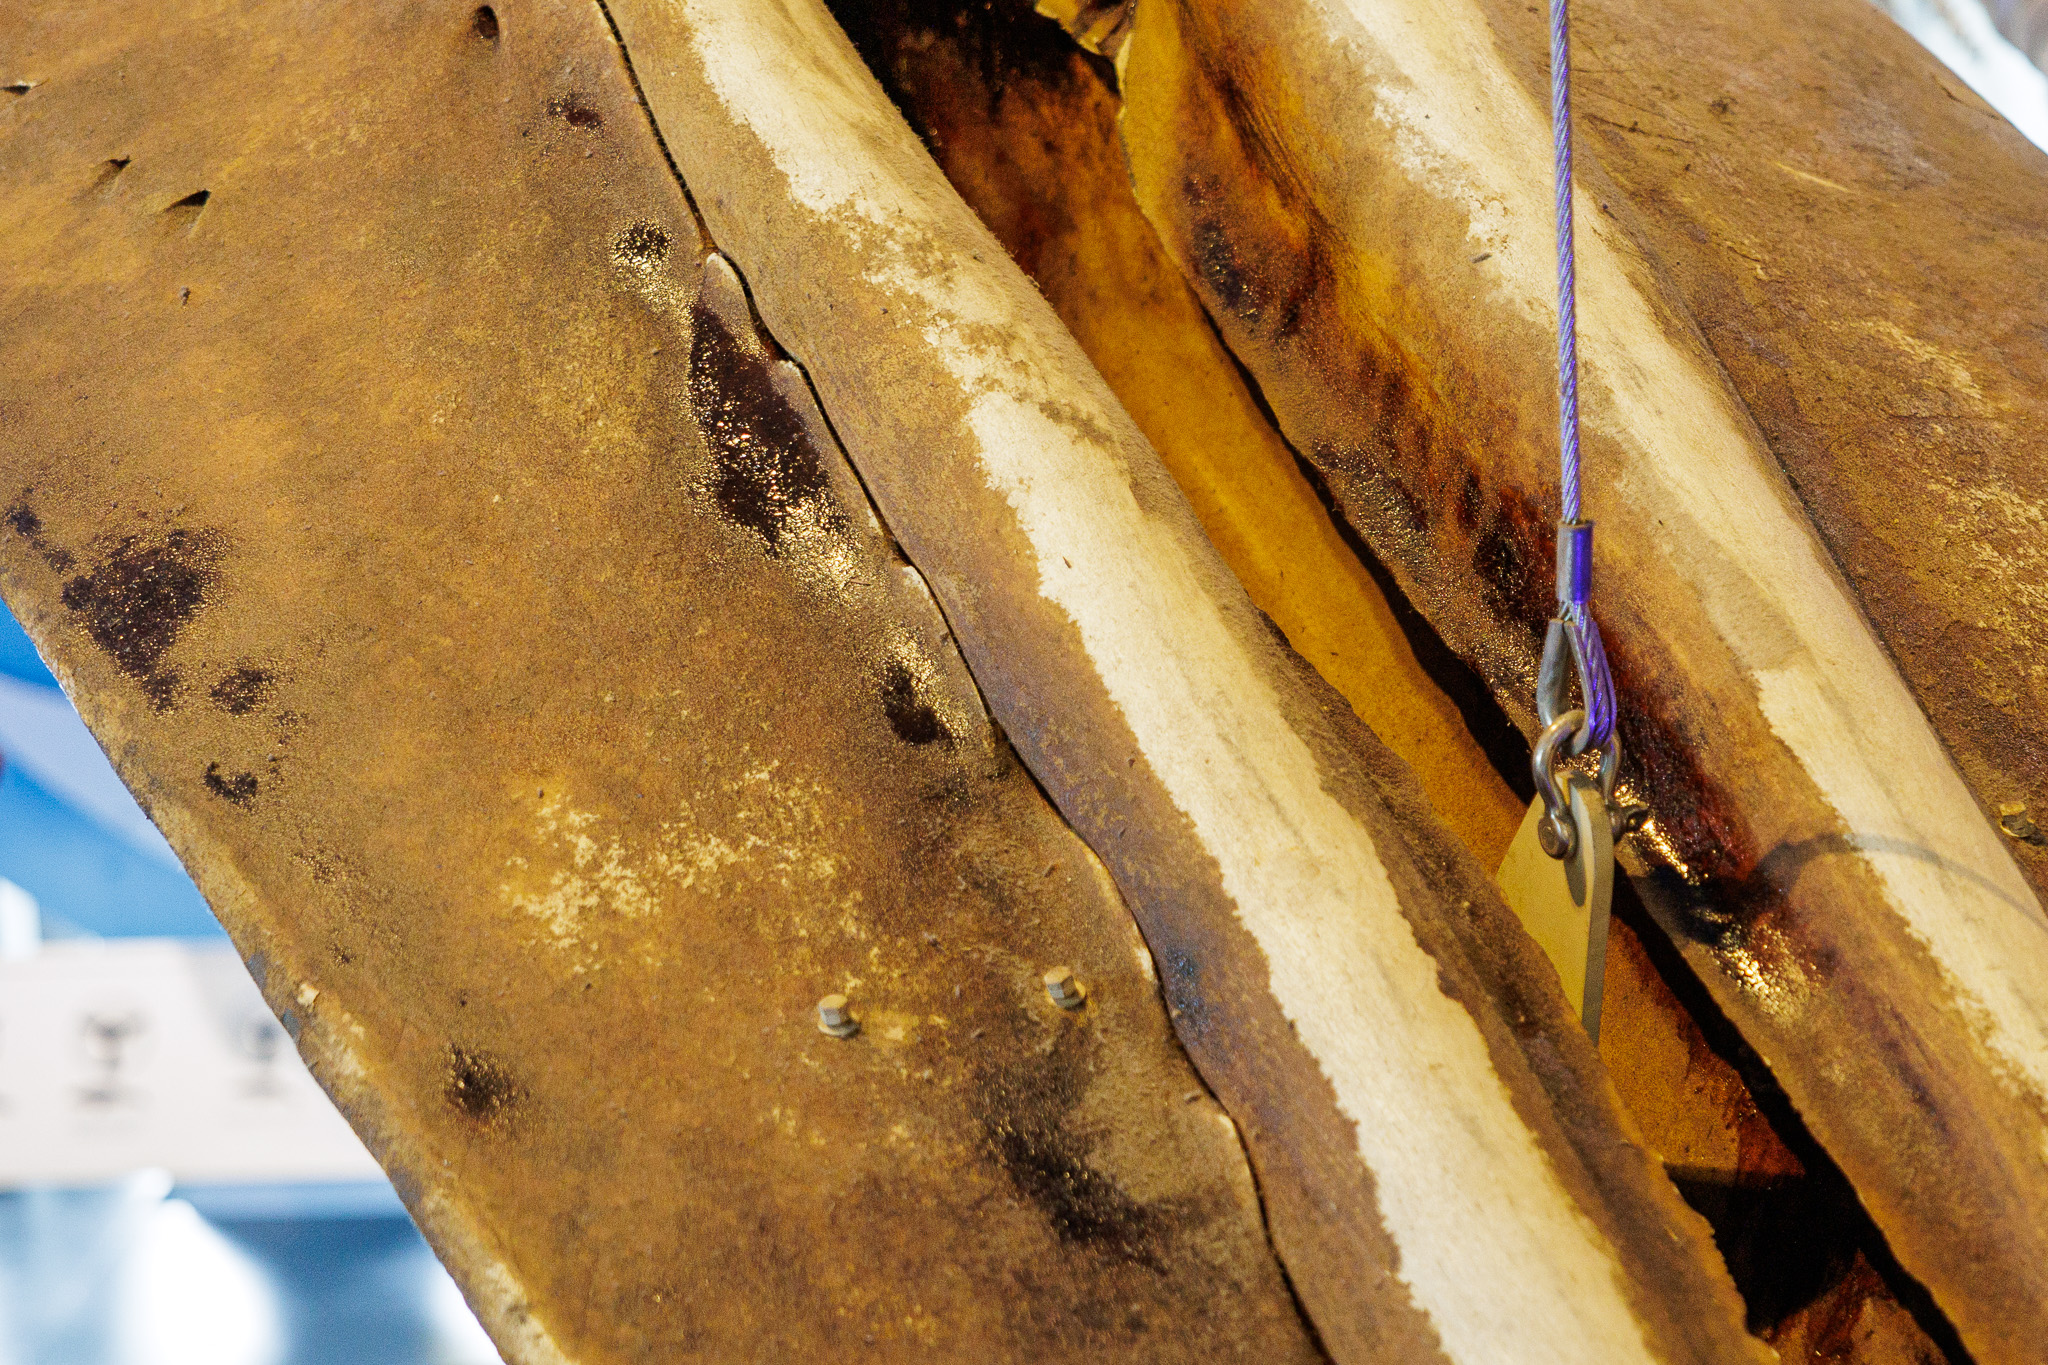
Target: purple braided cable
column 1596, row 684
column 1567, row 307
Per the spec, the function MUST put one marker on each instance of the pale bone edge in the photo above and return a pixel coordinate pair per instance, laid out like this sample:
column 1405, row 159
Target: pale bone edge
column 1508, row 1268
column 1463, row 128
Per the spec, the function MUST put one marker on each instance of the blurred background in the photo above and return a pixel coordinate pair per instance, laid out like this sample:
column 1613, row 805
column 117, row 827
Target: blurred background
column 173, row 1186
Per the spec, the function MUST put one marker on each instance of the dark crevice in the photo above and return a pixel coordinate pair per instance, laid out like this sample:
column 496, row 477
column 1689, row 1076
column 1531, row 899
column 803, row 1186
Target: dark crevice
column 1789, row 1242
column 653, row 124
column 1787, row 1245
column 484, row 23
column 1505, row 747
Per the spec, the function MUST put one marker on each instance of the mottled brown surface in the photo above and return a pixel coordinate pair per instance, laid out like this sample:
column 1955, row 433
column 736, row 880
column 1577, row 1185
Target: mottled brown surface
column 491, row 624
column 1428, row 407
column 1024, row 127
column 908, row 431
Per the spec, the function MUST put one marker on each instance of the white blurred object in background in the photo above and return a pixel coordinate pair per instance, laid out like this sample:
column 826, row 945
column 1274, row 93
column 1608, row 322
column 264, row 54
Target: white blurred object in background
column 21, row 923
column 40, row 731
column 1967, row 39
column 123, row 1054
column 189, row 1296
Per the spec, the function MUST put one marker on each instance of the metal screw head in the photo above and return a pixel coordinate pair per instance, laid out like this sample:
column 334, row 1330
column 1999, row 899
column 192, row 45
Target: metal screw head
column 1066, row 991
column 1630, row 820
column 836, row 1017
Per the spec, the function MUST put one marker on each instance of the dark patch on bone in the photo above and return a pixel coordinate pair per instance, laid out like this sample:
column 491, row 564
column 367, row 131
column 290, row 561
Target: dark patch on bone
column 18, row 87
column 237, row 789
column 575, row 110
column 23, row 521
column 243, row 690
column 110, row 170
column 1028, row 1120
column 137, row 599
column 1660, row 762
column 484, row 23
column 767, row 473
column 1217, row 262
column 642, row 244
column 479, row 1087
column 1512, row 558
column 910, row 715
column 1187, row 995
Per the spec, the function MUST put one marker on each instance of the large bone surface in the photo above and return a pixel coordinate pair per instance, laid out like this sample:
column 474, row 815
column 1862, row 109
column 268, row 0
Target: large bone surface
column 1444, row 1166
column 1023, row 123
column 480, row 605
column 1361, row 194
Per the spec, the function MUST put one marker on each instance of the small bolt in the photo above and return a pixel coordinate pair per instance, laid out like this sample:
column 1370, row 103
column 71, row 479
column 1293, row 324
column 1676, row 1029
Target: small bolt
column 1065, row 990
column 836, row 1018
column 2013, row 819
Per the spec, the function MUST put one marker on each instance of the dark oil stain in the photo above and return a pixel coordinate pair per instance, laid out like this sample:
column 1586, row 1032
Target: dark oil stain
column 484, row 23
column 23, row 521
column 1026, row 1112
column 1502, row 568
column 1661, row 761
column 1187, row 994
column 767, row 472
column 910, row 716
column 140, row 595
column 1217, row 261
column 1295, row 267
column 238, row 789
column 242, row 691
column 479, row 1087
column 575, row 110
column 1512, row 557
column 642, row 244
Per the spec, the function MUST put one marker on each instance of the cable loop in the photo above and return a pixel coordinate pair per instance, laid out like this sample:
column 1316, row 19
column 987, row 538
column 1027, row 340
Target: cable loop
column 1589, row 726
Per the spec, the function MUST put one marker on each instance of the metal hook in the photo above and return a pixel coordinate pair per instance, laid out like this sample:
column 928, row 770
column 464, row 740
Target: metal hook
column 1555, row 832
column 1591, row 725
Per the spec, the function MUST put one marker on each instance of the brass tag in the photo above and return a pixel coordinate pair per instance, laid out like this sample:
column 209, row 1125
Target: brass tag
column 1564, row 903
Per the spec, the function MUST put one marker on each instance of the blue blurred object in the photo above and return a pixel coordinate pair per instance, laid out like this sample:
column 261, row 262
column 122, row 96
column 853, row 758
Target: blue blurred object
column 139, row 1273
column 85, row 879
column 84, row 852
column 18, row 657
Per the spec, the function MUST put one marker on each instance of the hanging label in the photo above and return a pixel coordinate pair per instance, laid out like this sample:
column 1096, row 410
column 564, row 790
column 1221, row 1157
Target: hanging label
column 1564, row 903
